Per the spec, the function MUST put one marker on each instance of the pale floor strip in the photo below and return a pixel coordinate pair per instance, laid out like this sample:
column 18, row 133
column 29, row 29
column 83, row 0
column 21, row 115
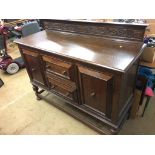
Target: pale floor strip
column 14, row 101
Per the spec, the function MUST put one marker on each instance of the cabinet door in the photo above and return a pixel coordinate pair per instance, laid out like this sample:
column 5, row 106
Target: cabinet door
column 33, row 66
column 96, row 91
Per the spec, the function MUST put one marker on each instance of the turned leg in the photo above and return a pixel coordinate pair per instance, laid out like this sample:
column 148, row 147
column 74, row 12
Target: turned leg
column 36, row 90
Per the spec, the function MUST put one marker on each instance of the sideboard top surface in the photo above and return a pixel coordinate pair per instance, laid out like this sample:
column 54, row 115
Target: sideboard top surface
column 110, row 53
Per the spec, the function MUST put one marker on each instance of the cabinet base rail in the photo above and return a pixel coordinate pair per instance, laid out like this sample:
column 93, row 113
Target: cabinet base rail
column 83, row 117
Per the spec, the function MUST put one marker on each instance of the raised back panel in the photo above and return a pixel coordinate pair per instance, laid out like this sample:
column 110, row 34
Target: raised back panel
column 112, row 30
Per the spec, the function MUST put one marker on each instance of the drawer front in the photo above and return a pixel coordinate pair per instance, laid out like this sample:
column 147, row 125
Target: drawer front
column 62, row 86
column 57, row 66
column 96, row 90
column 33, row 66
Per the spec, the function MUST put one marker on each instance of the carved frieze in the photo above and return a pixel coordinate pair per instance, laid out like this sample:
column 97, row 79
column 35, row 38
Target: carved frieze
column 102, row 30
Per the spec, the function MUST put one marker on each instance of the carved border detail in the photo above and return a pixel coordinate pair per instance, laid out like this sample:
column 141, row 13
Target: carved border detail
column 114, row 31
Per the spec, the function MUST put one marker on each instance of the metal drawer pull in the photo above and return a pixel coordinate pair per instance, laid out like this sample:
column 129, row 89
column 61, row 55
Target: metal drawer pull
column 92, row 94
column 33, row 69
column 64, row 72
column 67, row 94
column 48, row 66
column 53, row 86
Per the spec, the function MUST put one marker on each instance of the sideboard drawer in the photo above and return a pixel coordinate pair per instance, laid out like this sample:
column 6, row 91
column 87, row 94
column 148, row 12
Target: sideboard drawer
column 57, row 66
column 62, row 86
column 60, row 90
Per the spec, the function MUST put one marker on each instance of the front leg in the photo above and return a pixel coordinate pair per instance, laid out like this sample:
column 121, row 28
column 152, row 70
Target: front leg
column 36, row 90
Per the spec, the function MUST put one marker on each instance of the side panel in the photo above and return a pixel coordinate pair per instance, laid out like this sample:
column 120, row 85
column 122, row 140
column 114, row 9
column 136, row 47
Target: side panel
column 127, row 87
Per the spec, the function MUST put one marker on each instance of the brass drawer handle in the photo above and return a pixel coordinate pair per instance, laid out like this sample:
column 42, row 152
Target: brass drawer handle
column 46, row 27
column 67, row 94
column 48, row 66
column 33, row 69
column 64, row 72
column 53, row 86
column 92, row 94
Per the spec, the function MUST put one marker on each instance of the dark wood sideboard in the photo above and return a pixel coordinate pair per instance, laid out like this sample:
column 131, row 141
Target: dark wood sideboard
column 92, row 66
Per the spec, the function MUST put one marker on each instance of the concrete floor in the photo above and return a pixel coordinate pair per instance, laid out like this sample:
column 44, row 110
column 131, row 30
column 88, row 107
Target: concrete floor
column 21, row 113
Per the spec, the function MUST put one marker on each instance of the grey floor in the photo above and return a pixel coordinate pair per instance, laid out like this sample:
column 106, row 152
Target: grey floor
column 141, row 125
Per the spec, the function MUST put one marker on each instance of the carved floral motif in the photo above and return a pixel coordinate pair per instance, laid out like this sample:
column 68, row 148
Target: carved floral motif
column 96, row 30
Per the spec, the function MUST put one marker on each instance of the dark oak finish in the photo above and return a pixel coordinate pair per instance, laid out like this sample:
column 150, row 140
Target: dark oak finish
column 57, row 66
column 91, row 66
column 117, row 30
column 96, row 90
column 62, row 86
column 33, row 63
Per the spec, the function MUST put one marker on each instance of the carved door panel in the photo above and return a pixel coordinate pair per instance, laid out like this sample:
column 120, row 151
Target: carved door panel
column 34, row 66
column 96, row 91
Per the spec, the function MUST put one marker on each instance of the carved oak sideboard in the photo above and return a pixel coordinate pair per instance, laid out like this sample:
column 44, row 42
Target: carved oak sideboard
column 91, row 66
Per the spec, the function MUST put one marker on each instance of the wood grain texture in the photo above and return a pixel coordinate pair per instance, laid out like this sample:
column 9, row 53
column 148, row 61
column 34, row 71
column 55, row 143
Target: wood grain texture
column 58, row 66
column 95, row 89
column 111, row 54
column 34, row 67
column 94, row 74
column 127, row 31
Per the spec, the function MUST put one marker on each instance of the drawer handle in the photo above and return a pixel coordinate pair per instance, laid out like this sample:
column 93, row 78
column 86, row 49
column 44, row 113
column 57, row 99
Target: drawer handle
column 48, row 66
column 53, row 86
column 64, row 72
column 92, row 94
column 33, row 69
column 67, row 94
